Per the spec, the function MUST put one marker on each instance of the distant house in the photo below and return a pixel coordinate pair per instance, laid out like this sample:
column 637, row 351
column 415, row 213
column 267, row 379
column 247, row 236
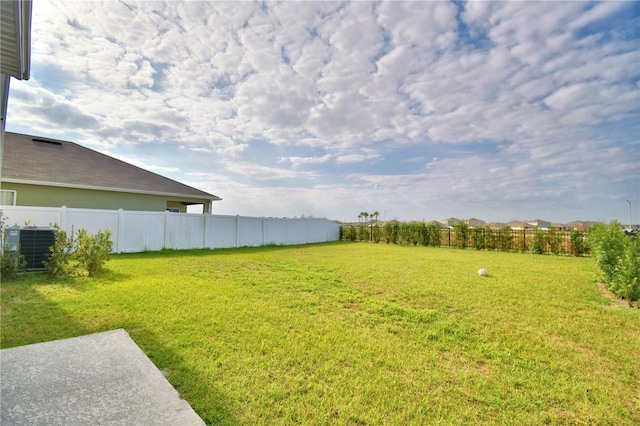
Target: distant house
column 519, row 225
column 579, row 225
column 450, row 222
column 496, row 225
column 560, row 227
column 437, row 223
column 542, row 224
column 53, row 173
column 475, row 223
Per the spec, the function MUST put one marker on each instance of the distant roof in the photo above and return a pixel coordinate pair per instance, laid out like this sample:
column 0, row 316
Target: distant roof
column 43, row 161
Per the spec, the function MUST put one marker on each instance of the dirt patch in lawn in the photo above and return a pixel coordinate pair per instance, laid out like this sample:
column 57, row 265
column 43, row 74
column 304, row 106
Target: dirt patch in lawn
column 615, row 300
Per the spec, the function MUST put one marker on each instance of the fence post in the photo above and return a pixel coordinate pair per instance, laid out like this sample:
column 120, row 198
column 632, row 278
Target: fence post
column 204, row 230
column 164, row 238
column 64, row 219
column 119, row 231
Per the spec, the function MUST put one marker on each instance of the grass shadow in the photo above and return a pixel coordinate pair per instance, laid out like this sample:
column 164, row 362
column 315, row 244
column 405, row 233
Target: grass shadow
column 172, row 254
column 190, row 383
column 77, row 281
column 29, row 317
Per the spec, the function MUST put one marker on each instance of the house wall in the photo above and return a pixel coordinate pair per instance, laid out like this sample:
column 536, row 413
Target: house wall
column 50, row 196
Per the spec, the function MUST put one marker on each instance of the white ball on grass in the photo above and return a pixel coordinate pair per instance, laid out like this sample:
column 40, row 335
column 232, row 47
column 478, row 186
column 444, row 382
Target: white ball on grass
column 483, row 272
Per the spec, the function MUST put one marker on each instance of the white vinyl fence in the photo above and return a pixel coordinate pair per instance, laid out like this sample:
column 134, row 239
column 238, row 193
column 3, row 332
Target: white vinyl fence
column 136, row 231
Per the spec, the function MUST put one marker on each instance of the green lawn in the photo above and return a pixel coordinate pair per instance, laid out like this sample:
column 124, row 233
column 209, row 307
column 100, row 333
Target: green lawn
column 358, row 333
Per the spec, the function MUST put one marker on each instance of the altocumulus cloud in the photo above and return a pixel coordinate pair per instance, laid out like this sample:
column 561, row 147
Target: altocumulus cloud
column 529, row 109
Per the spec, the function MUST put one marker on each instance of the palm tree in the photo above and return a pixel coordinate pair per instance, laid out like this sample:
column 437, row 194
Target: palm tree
column 360, row 218
column 375, row 214
column 366, row 216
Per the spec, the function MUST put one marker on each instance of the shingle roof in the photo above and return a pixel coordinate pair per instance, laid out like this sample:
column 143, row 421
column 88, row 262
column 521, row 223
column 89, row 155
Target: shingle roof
column 36, row 160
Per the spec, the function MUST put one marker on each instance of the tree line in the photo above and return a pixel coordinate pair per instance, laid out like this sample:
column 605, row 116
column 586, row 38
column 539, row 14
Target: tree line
column 462, row 236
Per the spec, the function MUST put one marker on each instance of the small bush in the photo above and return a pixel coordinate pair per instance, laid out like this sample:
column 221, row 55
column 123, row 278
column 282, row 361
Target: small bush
column 391, row 231
column 617, row 259
column 607, row 246
column 577, row 244
column 363, row 233
column 461, row 232
column 478, row 238
column 12, row 261
column 377, row 233
column 554, row 240
column 60, row 254
column 92, row 251
column 626, row 277
column 504, row 239
column 539, row 242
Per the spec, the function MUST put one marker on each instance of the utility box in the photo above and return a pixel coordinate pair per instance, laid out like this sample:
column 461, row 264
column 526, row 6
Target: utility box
column 33, row 242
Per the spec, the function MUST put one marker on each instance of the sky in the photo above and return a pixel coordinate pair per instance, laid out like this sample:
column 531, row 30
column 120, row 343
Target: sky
column 417, row 110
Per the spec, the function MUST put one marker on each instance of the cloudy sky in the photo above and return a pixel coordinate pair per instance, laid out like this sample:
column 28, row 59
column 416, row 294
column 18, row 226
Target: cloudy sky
column 417, row 110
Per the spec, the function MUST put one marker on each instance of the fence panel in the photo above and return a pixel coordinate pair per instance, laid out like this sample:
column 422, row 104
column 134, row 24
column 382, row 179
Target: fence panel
column 250, row 233
column 141, row 231
column 315, row 230
column 220, row 231
column 275, row 231
column 37, row 216
column 184, row 231
column 297, row 231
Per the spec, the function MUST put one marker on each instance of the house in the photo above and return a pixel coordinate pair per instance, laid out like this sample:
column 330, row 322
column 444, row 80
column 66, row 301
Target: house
column 496, row 225
column 450, row 222
column 519, row 225
column 475, row 223
column 541, row 224
column 579, row 225
column 437, row 223
column 53, row 173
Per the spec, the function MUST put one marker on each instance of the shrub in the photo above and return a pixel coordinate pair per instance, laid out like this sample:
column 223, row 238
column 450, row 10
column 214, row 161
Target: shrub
column 435, row 234
column 363, row 233
column 577, row 244
column 504, row 239
column 539, row 242
column 607, row 246
column 626, row 276
column 617, row 259
column 11, row 260
column 92, row 251
column 461, row 232
column 478, row 239
column 350, row 233
column 377, row 233
column 554, row 240
column 60, row 254
column 391, row 231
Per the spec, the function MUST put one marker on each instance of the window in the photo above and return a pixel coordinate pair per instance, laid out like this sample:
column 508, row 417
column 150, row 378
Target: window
column 7, row 197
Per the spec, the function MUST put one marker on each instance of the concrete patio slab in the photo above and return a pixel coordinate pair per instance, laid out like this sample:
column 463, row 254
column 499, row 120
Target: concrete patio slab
column 98, row 379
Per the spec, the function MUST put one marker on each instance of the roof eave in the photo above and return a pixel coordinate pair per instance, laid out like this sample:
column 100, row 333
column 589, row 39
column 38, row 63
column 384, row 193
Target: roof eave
column 210, row 197
column 16, row 39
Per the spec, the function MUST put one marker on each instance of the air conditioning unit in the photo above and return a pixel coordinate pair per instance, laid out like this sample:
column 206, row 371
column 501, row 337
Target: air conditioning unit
column 33, row 243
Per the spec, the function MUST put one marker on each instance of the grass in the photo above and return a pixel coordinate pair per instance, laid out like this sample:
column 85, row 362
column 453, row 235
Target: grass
column 357, row 333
